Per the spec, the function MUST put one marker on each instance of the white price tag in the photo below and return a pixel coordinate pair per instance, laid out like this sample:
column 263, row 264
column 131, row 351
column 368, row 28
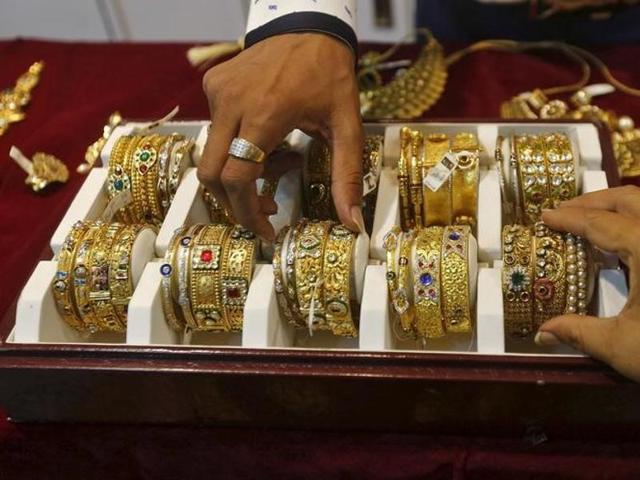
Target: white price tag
column 369, row 182
column 440, row 172
column 121, row 200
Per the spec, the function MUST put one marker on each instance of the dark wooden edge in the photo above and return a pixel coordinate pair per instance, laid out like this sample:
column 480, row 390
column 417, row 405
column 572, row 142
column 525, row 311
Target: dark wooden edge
column 320, row 363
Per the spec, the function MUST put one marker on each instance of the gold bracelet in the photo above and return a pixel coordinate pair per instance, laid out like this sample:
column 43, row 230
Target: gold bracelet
column 338, row 255
column 81, row 277
column 119, row 179
column 217, row 212
column 173, row 315
column 562, row 178
column 99, row 287
column 63, row 284
column 290, row 271
column 164, row 170
column 517, row 280
column 532, row 176
column 456, row 304
column 403, row 306
column 279, row 282
column 577, row 274
column 399, row 300
column 549, row 286
column 308, row 270
column 465, row 178
column 238, row 260
column 427, row 287
column 176, row 165
column 144, row 171
column 406, row 219
column 120, row 274
column 129, row 213
column 204, row 272
column 317, row 182
column 183, row 267
column 415, row 177
column 437, row 205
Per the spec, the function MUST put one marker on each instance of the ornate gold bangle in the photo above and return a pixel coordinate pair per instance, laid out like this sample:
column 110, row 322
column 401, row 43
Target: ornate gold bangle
column 399, row 300
column 309, row 261
column 336, row 273
column 465, row 178
column 144, row 170
column 437, row 205
column 204, row 272
column 403, row 306
column 560, row 165
column 184, row 279
column 415, row 177
column 577, row 275
column 279, row 282
column 456, row 304
column 119, row 179
column 317, row 182
column 99, row 287
column 217, row 212
column 173, row 315
column 427, row 289
column 120, row 275
column 81, row 277
column 549, row 285
column 517, row 280
column 532, row 175
column 176, row 165
column 406, row 218
column 238, row 260
column 164, row 168
column 290, row 272
column 63, row 283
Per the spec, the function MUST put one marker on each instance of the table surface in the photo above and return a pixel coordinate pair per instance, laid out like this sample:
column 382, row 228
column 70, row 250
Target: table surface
column 81, row 84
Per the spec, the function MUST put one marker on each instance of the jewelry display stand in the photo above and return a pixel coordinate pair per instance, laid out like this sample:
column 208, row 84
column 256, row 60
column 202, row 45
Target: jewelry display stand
column 270, row 354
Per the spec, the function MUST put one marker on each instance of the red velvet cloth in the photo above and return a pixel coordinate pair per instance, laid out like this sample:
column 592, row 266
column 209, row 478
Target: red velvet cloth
column 80, row 86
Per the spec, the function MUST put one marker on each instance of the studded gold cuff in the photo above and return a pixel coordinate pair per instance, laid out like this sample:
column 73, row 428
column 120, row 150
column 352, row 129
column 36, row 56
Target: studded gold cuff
column 549, row 284
column 517, row 280
column 81, row 277
column 169, row 288
column 119, row 179
column 183, row 257
column 427, row 291
column 336, row 274
column 401, row 299
column 561, row 169
column 454, row 274
column 532, row 176
column 577, row 271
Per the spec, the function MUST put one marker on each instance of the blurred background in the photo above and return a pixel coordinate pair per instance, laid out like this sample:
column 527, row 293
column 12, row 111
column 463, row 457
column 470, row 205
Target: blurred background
column 576, row 21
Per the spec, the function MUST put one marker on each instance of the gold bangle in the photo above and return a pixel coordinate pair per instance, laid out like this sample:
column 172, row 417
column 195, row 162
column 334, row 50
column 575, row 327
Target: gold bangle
column 517, row 280
column 183, row 267
column 63, row 284
column 427, row 287
column 145, row 171
column 164, row 169
column 279, row 282
column 338, row 255
column 532, row 176
column 129, row 213
column 562, row 179
column 204, row 271
column 176, row 167
column 577, row 270
column 119, row 179
column 217, row 212
column 308, row 270
column 173, row 315
column 549, row 285
column 465, row 178
column 399, row 300
column 290, row 272
column 403, row 306
column 238, row 259
column 120, row 274
column 99, row 286
column 406, row 219
column 437, row 205
column 415, row 177
column 456, row 304
column 81, row 277
column 317, row 182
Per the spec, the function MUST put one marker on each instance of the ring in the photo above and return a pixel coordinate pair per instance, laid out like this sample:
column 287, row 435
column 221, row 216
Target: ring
column 245, row 150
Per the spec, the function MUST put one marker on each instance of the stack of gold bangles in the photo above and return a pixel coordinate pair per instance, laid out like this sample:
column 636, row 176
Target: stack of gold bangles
column 429, row 280
column 317, row 177
column 545, row 274
column 455, row 202
column 312, row 266
column 206, row 275
column 541, row 171
column 150, row 167
column 93, row 283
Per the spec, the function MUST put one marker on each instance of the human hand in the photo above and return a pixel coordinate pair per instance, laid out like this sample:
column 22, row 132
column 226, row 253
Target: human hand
column 301, row 80
column 610, row 220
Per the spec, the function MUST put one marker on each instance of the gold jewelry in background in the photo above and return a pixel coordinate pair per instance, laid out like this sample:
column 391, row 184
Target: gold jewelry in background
column 427, row 288
column 92, row 154
column 456, row 305
column 14, row 100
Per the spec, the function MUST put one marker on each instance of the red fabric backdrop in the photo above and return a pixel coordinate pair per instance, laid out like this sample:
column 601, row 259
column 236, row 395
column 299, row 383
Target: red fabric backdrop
column 80, row 86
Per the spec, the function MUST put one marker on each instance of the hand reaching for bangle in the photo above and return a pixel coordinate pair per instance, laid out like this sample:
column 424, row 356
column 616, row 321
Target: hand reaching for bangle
column 301, row 80
column 610, row 220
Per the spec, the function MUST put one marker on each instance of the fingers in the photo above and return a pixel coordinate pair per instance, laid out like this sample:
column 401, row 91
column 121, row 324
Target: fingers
column 606, row 230
column 624, row 200
column 280, row 163
column 591, row 335
column 346, row 170
column 214, row 155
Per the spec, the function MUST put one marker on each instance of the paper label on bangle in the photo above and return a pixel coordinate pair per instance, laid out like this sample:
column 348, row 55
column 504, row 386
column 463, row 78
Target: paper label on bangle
column 119, row 201
column 440, row 172
column 369, row 182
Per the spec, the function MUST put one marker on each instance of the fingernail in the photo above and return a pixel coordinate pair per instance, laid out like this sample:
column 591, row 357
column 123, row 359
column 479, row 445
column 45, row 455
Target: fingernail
column 546, row 339
column 358, row 219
